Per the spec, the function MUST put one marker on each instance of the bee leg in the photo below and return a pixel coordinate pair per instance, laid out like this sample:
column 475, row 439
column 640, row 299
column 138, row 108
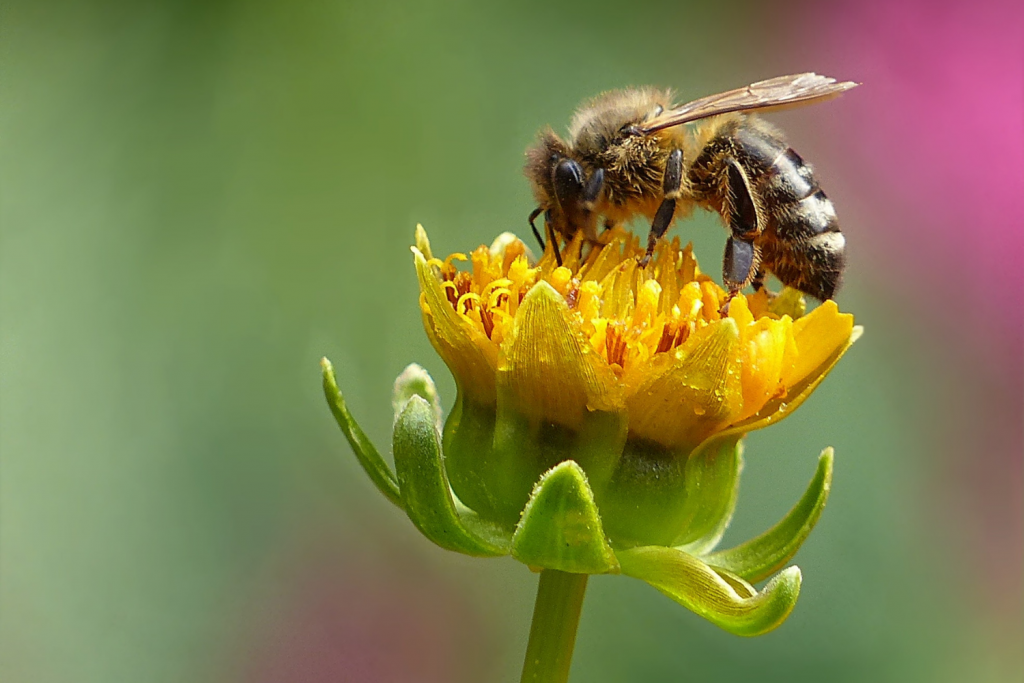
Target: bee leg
column 758, row 282
column 591, row 193
column 742, row 262
column 672, row 185
column 738, row 263
column 737, row 267
column 553, row 237
column 551, row 233
column 533, row 216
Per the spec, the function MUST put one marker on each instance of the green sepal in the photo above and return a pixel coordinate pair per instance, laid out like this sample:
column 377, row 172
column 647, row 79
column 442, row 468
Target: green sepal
column 712, row 489
column 729, row 603
column 760, row 557
column 673, row 499
column 369, row 457
column 561, row 528
column 424, row 485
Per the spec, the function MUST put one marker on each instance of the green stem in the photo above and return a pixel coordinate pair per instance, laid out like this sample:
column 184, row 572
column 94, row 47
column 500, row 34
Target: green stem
column 553, row 632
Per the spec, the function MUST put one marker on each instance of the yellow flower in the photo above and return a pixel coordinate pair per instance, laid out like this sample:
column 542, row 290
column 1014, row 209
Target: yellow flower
column 599, row 418
column 634, row 373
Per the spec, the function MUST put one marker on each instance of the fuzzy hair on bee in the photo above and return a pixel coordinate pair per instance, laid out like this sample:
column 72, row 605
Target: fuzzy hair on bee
column 628, row 154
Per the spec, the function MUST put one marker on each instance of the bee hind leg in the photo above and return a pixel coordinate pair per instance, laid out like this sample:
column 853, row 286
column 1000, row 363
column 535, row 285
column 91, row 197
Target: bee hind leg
column 672, row 185
column 738, row 266
column 742, row 262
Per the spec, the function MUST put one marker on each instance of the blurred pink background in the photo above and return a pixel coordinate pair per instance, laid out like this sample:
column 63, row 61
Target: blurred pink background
column 935, row 143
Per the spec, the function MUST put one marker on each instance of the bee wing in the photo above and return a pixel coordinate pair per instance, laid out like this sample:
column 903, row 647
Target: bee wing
column 775, row 93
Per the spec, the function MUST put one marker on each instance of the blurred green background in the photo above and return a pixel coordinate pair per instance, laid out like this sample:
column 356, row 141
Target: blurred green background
column 200, row 199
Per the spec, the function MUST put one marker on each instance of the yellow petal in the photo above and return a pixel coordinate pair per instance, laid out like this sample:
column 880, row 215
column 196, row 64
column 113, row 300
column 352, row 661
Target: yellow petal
column 739, row 311
column 764, row 347
column 467, row 352
column 818, row 336
column 548, row 370
column 422, row 243
column 679, row 399
column 780, row 407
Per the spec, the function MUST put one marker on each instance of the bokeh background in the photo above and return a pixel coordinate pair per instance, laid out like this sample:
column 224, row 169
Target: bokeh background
column 200, row 199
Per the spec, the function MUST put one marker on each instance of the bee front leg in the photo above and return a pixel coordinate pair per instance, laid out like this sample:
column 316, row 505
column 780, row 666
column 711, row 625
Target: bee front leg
column 549, row 227
column 592, row 190
column 672, row 185
column 533, row 216
column 591, row 196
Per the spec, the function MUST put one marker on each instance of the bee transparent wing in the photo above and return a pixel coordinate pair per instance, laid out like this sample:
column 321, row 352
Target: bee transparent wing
column 775, row 93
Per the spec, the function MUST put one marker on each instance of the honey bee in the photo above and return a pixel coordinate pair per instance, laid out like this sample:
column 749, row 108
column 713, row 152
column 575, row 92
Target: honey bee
column 628, row 154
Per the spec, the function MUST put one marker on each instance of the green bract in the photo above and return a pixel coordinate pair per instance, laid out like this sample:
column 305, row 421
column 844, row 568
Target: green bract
column 560, row 526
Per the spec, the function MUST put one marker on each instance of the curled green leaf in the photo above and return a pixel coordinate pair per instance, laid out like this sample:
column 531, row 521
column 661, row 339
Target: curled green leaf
column 730, row 604
column 760, row 557
column 424, row 485
column 367, row 454
column 561, row 528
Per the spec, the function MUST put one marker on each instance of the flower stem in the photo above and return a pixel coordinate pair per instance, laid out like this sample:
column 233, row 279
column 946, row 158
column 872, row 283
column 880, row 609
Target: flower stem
column 553, row 632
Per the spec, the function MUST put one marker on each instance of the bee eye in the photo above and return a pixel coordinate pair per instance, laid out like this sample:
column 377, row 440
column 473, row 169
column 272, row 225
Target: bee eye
column 631, row 130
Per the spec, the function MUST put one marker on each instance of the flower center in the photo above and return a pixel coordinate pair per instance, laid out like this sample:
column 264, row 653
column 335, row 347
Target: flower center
column 628, row 314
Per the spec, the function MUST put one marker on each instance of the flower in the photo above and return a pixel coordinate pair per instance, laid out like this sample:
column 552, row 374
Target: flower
column 599, row 417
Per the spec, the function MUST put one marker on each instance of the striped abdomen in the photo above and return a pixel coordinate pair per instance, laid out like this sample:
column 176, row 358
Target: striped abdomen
column 799, row 241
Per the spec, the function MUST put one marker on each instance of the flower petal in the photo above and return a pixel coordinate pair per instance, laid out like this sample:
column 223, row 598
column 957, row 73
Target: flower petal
column 696, row 586
column 764, row 348
column 548, row 371
column 422, row 242
column 777, row 409
column 561, row 528
column 818, row 336
column 680, row 399
column 759, row 557
column 467, row 352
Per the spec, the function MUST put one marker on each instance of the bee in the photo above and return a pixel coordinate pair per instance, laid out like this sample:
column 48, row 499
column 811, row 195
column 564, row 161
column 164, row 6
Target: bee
column 628, row 154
